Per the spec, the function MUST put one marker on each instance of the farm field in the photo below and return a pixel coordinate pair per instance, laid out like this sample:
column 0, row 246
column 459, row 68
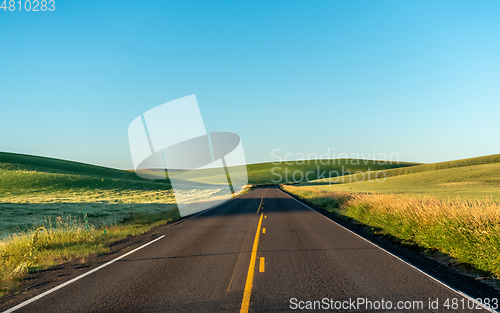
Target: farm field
column 471, row 179
column 36, row 191
column 296, row 171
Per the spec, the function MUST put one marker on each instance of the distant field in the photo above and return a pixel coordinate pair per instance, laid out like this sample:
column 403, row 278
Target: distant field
column 489, row 159
column 269, row 173
column 30, row 179
column 21, row 184
column 36, row 190
column 44, row 164
column 463, row 178
column 296, row 171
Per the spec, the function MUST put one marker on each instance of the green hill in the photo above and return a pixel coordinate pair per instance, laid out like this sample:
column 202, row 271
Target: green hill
column 36, row 190
column 32, row 179
column 489, row 159
column 468, row 178
column 295, row 171
column 52, row 165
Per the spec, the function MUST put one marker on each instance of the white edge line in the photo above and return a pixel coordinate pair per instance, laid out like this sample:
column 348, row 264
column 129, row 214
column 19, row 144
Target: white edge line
column 77, row 278
column 398, row 258
column 22, row 304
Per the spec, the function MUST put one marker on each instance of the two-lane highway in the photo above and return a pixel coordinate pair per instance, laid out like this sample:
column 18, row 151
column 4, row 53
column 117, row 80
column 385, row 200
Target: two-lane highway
column 261, row 252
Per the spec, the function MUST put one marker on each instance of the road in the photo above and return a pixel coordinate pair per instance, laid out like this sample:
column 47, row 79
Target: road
column 254, row 253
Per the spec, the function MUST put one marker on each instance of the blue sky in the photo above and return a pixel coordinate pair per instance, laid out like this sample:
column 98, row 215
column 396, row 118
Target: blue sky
column 416, row 78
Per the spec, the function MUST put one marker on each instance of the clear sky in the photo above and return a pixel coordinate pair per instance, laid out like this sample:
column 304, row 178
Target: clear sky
column 416, row 78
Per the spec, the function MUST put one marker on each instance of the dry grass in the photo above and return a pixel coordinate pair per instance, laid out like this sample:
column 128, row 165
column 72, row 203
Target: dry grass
column 68, row 239
column 467, row 230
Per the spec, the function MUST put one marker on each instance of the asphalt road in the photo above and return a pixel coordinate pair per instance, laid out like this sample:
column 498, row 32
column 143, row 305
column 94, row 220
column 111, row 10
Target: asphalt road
column 265, row 247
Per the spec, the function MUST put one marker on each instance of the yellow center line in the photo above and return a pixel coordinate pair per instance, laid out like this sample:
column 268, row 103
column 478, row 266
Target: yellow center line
column 245, row 303
column 261, row 199
column 263, row 230
column 262, row 266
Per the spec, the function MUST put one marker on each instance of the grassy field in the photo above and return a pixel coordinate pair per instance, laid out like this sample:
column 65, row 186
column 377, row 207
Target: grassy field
column 476, row 181
column 50, row 165
column 295, row 171
column 22, row 218
column 36, row 190
column 27, row 183
column 469, row 178
column 419, row 168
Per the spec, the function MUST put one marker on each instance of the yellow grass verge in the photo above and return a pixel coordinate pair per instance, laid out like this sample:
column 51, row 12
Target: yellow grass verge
column 24, row 253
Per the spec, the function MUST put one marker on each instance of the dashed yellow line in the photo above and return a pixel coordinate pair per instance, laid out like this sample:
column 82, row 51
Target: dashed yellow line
column 265, row 216
column 263, row 230
column 261, row 200
column 245, row 303
column 262, row 266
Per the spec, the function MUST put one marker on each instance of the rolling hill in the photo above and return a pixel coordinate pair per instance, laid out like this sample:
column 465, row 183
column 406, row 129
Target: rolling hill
column 270, row 173
column 34, row 191
column 469, row 178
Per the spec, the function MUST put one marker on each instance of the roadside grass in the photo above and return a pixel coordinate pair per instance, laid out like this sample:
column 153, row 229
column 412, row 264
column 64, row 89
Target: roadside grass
column 24, row 217
column 68, row 239
column 468, row 230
